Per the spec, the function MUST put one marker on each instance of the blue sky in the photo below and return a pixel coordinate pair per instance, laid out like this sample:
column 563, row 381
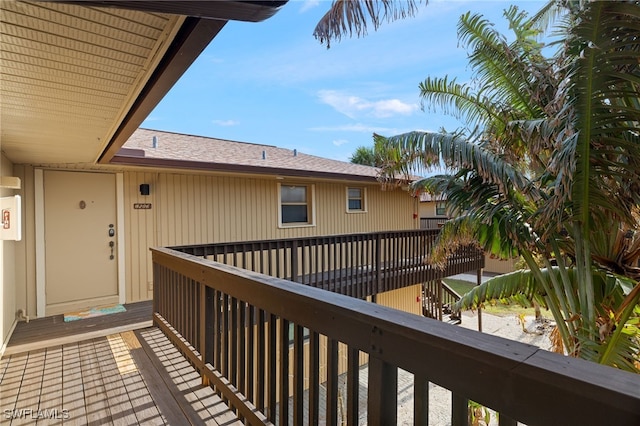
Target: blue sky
column 273, row 83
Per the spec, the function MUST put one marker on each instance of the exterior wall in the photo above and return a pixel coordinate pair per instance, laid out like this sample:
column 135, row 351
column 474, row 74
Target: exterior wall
column 191, row 208
column 197, row 208
column 7, row 270
column 497, row 266
column 428, row 209
column 408, row 299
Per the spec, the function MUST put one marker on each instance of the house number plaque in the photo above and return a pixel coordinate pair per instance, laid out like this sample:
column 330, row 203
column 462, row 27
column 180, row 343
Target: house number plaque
column 142, row 206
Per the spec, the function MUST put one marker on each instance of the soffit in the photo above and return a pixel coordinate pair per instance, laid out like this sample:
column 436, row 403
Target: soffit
column 68, row 74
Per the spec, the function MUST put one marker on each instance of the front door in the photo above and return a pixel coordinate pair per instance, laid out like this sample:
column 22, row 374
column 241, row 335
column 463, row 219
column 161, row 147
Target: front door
column 80, row 243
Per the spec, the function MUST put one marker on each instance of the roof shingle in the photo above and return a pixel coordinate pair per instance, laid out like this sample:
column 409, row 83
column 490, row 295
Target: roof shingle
column 189, row 148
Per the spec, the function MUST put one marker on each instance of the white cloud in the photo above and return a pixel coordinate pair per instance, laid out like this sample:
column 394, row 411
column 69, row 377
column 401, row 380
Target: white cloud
column 226, row 123
column 340, row 142
column 363, row 128
column 354, row 106
column 309, row 4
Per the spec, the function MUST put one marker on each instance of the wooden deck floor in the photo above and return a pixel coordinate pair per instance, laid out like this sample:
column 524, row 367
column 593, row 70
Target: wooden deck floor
column 51, row 331
column 125, row 378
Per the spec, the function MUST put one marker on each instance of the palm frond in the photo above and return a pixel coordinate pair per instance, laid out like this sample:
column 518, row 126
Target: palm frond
column 410, row 151
column 456, row 100
column 495, row 63
column 346, row 17
column 519, row 287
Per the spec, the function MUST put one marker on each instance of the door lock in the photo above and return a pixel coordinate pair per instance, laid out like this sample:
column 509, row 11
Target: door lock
column 112, row 232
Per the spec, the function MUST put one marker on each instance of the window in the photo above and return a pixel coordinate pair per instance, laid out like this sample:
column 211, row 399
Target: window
column 356, row 200
column 441, row 208
column 296, row 205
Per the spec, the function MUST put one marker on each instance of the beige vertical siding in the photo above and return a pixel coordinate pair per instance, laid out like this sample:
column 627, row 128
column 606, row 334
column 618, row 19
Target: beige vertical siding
column 8, row 305
column 497, row 266
column 194, row 209
column 408, row 299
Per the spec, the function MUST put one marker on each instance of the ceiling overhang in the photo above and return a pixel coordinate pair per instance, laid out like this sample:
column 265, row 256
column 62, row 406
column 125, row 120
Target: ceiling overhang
column 249, row 11
column 77, row 79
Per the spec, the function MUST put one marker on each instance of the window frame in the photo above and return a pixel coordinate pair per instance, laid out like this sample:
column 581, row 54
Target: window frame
column 441, row 208
column 311, row 206
column 363, row 199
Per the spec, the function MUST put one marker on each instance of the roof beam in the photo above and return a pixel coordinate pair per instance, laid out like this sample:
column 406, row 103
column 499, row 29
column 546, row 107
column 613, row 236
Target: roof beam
column 227, row 10
column 192, row 38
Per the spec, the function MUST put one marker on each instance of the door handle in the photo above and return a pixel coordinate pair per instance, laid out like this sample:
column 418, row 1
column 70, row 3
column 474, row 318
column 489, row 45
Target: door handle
column 111, row 244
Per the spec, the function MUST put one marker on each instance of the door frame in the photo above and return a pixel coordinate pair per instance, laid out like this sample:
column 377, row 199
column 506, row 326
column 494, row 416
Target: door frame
column 41, row 301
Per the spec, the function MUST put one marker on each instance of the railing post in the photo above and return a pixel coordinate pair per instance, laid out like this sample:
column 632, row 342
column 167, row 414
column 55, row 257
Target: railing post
column 503, row 420
column 378, row 263
column 420, row 401
column 478, row 282
column 459, row 410
column 294, row 260
column 383, row 390
column 206, row 328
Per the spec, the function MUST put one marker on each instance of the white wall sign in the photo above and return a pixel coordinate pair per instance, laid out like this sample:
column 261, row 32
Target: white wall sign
column 11, row 218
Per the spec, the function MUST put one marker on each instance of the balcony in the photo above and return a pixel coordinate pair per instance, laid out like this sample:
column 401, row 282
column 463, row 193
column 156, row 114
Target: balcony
column 284, row 353
column 284, row 332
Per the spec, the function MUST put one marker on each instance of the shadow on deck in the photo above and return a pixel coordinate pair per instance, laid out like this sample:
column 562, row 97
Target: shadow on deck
column 130, row 377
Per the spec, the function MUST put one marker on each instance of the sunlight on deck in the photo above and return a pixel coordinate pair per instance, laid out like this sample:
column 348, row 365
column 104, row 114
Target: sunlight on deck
column 124, row 378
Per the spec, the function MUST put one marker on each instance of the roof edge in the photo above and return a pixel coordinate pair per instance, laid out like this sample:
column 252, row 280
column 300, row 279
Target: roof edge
column 122, row 159
column 192, row 38
column 228, row 10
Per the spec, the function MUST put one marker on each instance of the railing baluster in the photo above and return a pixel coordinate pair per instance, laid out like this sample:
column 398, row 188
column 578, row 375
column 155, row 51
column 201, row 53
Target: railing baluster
column 242, row 347
column 225, row 336
column 332, row 382
column 314, row 378
column 250, row 352
column 459, row 410
column 233, row 344
column 353, row 387
column 261, row 361
column 506, row 421
column 382, row 403
column 298, row 375
column 217, row 327
column 420, row 401
column 283, row 378
column 272, row 370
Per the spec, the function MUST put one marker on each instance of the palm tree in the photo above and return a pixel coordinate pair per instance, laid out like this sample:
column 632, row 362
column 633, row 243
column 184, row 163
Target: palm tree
column 366, row 156
column 547, row 167
column 351, row 16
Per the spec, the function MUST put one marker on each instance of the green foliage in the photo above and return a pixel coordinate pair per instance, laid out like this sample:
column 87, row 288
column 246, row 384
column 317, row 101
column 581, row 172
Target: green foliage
column 546, row 168
column 366, row 156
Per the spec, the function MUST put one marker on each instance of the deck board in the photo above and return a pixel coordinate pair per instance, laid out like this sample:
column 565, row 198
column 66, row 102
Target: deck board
column 72, row 387
column 29, row 395
column 111, row 370
column 12, row 381
column 51, row 391
column 50, row 331
column 208, row 406
column 120, row 379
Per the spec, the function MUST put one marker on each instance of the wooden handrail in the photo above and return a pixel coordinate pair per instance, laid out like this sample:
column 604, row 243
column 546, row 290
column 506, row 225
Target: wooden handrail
column 521, row 381
column 358, row 265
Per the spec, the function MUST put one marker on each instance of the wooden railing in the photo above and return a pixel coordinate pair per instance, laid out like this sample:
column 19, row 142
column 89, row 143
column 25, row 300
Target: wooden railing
column 357, row 265
column 236, row 326
column 432, row 222
column 437, row 299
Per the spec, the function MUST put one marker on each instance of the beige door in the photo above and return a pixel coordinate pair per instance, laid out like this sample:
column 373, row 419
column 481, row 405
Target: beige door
column 80, row 242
